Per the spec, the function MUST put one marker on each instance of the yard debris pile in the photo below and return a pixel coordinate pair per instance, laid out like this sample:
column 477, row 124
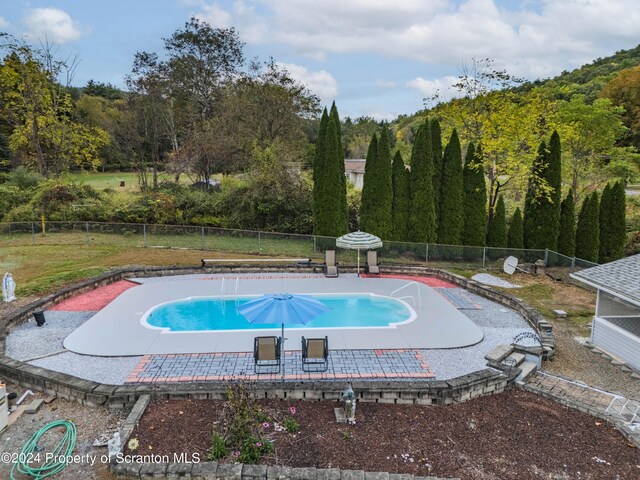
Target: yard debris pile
column 488, row 279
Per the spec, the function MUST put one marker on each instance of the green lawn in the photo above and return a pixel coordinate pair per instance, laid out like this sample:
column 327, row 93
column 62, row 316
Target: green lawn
column 100, row 181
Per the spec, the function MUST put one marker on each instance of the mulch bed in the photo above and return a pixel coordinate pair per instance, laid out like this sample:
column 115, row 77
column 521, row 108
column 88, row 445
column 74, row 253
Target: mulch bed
column 514, row 435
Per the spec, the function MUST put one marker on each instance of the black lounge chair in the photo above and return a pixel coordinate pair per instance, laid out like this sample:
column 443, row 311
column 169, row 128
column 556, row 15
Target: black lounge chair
column 315, row 354
column 266, row 354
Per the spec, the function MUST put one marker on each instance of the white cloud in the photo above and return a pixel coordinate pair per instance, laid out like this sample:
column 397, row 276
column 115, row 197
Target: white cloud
column 321, row 82
column 439, row 86
column 536, row 39
column 215, row 16
column 52, row 24
column 3, row 23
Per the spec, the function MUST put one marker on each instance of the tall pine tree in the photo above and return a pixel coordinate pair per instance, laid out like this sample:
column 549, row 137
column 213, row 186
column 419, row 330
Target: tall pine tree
column 368, row 198
column 497, row 231
column 542, row 201
column 475, row 199
column 588, row 229
column 451, row 216
column 380, row 195
column 401, row 199
column 331, row 217
column 567, row 235
column 422, row 208
column 318, row 166
column 339, row 162
column 436, row 155
column 514, row 236
column 612, row 223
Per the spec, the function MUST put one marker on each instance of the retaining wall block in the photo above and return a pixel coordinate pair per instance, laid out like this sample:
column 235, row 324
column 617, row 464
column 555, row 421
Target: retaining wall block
column 278, row 473
column 228, row 471
column 254, row 472
column 352, row 475
column 153, row 470
column 376, row 476
column 207, row 471
column 131, row 470
column 327, row 474
column 179, row 471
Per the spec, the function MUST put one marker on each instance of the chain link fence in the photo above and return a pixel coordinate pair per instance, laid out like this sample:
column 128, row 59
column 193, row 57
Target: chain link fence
column 130, row 235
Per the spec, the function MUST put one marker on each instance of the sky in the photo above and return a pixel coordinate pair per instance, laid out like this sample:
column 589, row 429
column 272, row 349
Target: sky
column 378, row 58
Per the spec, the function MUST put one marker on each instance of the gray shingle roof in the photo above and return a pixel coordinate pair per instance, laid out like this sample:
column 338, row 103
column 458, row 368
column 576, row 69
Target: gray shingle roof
column 621, row 277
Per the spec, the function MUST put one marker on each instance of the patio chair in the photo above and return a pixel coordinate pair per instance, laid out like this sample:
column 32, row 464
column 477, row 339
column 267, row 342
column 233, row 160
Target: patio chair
column 372, row 267
column 266, row 354
column 330, row 265
column 315, row 354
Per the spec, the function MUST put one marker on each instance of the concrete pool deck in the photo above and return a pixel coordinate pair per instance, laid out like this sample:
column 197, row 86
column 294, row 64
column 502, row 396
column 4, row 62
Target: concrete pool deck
column 117, row 330
column 43, row 346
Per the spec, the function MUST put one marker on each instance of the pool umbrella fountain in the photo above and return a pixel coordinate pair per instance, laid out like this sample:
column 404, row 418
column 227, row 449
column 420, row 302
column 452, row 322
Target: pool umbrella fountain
column 283, row 309
column 358, row 241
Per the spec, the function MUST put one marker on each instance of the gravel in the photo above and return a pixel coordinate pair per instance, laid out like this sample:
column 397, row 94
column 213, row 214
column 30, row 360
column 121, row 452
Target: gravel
column 488, row 279
column 109, row 370
column 29, row 341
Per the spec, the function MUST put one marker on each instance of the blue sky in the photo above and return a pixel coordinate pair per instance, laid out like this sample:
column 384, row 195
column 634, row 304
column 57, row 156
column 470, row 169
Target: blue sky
column 374, row 57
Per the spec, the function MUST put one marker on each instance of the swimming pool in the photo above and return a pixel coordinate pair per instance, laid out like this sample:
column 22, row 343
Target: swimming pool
column 216, row 313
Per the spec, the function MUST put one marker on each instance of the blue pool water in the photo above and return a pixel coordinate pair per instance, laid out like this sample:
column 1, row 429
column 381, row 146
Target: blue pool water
column 218, row 314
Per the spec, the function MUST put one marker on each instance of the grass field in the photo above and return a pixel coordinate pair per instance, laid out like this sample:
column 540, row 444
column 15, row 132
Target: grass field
column 100, row 181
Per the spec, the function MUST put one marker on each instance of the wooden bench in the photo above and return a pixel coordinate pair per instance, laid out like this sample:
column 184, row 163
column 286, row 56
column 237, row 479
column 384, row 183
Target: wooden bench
column 301, row 261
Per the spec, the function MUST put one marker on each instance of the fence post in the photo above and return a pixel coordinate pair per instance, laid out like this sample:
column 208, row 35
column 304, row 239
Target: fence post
column 426, row 254
column 202, row 239
column 86, row 227
column 484, row 256
column 314, row 244
column 546, row 257
column 258, row 240
column 144, row 232
column 33, row 233
column 573, row 264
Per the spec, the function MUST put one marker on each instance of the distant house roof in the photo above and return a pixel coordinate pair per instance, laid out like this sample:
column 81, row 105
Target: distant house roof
column 621, row 278
column 354, row 165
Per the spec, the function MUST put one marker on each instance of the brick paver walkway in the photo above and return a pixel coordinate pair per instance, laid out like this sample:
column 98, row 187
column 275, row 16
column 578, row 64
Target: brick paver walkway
column 588, row 396
column 343, row 364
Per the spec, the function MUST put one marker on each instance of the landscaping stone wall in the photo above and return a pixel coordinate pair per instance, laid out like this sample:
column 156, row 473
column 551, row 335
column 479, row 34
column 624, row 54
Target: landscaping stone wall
column 485, row 382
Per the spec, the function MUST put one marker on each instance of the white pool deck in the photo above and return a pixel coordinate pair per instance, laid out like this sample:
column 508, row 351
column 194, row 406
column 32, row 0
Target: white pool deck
column 116, row 330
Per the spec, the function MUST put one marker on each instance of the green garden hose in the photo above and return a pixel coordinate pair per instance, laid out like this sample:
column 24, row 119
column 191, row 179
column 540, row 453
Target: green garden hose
column 38, row 464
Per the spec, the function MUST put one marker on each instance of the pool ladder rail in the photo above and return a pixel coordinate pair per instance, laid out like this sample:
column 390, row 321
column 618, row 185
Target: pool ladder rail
column 235, row 293
column 409, row 297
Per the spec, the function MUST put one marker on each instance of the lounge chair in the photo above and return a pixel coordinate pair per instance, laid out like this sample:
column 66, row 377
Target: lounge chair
column 315, row 354
column 372, row 267
column 266, row 354
column 330, row 265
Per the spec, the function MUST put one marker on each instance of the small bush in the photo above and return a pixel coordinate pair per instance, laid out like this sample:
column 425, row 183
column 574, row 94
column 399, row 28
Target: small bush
column 291, row 425
column 218, row 447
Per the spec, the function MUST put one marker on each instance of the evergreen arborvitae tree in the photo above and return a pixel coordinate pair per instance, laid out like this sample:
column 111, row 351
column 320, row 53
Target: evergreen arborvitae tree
column 318, row 166
column 376, row 215
column 514, row 236
column 497, row 231
column 422, row 209
column 542, row 202
column 436, row 155
column 344, row 211
column 451, row 216
column 368, row 197
column 330, row 218
column 475, row 199
column 588, row 229
column 567, row 235
column 612, row 223
column 401, row 199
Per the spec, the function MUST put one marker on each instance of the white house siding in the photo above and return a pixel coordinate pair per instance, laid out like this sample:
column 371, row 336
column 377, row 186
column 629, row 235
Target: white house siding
column 620, row 336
